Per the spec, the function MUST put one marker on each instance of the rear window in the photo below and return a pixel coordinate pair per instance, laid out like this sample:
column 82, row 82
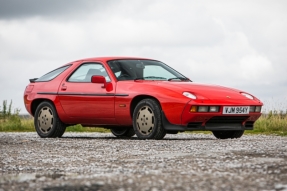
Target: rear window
column 53, row 74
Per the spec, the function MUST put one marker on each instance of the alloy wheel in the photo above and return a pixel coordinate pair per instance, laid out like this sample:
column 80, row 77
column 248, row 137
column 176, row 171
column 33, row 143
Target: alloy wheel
column 45, row 120
column 145, row 120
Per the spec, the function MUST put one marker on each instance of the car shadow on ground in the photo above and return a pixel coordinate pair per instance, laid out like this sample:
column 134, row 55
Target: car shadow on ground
column 136, row 139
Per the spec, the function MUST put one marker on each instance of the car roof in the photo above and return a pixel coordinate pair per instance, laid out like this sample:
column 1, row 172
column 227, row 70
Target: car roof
column 113, row 58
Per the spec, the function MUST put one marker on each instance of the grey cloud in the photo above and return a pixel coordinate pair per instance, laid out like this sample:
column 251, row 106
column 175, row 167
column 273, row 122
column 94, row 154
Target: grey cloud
column 12, row 9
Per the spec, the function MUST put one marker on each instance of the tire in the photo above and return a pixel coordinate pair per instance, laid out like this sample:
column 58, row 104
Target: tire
column 47, row 122
column 123, row 132
column 238, row 134
column 147, row 122
column 228, row 134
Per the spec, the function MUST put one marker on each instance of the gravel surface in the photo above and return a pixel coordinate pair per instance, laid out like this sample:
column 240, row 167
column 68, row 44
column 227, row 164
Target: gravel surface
column 95, row 161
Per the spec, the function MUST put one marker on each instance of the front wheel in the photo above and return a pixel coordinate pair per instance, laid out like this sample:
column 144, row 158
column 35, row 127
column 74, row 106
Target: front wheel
column 228, row 134
column 147, row 120
column 47, row 122
column 123, row 132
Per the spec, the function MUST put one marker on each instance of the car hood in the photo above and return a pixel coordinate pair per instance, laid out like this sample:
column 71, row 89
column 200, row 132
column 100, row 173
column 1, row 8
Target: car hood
column 204, row 91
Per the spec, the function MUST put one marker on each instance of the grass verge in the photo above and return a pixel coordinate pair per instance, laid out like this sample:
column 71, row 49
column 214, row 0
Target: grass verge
column 271, row 123
column 27, row 125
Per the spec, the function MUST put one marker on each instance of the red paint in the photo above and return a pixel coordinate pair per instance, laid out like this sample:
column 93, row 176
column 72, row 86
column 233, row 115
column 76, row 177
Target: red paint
column 99, row 102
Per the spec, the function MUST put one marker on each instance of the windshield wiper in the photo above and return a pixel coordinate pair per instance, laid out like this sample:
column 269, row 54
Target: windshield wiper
column 150, row 77
column 179, row 78
column 155, row 77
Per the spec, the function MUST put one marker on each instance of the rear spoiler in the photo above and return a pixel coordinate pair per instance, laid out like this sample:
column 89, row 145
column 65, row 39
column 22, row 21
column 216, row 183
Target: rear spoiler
column 33, row 80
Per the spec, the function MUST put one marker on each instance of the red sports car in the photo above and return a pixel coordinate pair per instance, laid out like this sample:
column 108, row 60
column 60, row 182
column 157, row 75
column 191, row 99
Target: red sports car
column 135, row 96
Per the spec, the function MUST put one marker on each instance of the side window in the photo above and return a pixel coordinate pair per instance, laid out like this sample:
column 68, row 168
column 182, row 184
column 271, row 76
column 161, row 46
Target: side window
column 53, row 74
column 85, row 72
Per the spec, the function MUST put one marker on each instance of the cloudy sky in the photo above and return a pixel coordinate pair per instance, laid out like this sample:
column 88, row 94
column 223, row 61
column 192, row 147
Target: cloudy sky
column 240, row 44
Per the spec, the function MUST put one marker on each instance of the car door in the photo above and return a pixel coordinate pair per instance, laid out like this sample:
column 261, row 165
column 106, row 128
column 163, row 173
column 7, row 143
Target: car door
column 80, row 98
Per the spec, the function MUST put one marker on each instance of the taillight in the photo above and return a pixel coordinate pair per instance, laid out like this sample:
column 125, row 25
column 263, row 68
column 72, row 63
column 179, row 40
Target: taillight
column 29, row 88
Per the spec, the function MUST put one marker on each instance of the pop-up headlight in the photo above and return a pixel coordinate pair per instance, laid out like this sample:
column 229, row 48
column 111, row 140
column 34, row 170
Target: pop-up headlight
column 247, row 95
column 189, row 95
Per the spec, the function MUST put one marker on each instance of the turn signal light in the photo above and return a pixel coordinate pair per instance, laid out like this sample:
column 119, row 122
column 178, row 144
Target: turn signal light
column 193, row 109
column 204, row 109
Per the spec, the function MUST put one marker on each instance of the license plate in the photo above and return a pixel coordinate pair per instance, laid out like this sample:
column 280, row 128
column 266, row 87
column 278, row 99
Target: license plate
column 235, row 110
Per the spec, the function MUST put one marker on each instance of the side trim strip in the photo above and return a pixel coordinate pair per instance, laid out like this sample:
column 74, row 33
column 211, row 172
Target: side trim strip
column 47, row 93
column 123, row 95
column 81, row 94
column 84, row 94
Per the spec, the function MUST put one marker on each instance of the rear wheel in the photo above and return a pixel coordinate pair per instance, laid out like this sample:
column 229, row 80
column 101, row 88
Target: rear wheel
column 147, row 120
column 123, row 132
column 47, row 122
column 228, row 134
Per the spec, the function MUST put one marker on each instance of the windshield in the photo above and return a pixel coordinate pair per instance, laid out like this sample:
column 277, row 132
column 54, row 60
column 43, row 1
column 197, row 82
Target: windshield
column 144, row 70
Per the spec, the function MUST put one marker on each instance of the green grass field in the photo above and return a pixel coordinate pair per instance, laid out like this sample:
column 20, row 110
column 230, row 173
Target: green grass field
column 15, row 124
column 271, row 123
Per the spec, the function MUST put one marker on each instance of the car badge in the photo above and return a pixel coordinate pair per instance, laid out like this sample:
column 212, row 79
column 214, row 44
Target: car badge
column 228, row 96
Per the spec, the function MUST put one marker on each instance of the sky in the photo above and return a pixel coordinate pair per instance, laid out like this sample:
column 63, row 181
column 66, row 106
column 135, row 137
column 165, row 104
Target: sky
column 239, row 44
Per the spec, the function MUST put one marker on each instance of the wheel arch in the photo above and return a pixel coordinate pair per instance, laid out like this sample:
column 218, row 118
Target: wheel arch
column 37, row 102
column 137, row 99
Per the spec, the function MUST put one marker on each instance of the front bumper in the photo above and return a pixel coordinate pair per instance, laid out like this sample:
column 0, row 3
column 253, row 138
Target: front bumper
column 213, row 122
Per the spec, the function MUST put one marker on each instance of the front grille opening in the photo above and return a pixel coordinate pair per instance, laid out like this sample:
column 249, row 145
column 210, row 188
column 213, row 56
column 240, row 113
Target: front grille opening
column 249, row 123
column 194, row 125
column 227, row 119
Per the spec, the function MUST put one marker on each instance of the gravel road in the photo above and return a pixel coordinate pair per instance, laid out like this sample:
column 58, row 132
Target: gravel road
column 95, row 161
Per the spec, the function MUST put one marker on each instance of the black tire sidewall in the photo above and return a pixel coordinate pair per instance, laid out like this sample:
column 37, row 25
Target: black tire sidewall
column 228, row 134
column 55, row 117
column 126, row 131
column 123, row 131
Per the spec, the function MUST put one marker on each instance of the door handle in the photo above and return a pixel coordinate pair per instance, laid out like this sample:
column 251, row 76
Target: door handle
column 63, row 87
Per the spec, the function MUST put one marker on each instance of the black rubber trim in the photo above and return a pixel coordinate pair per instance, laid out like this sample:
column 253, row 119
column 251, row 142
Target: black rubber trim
column 210, row 127
column 47, row 93
column 123, row 95
column 81, row 94
column 84, row 94
column 169, row 126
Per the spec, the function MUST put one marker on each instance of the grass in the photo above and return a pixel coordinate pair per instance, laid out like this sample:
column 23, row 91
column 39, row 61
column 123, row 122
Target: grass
column 272, row 123
column 27, row 125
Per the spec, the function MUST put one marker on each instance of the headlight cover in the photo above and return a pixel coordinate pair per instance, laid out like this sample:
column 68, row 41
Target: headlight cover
column 247, row 95
column 189, row 95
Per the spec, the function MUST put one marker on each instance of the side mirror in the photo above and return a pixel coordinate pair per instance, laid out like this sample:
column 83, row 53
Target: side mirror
column 102, row 80
column 99, row 79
